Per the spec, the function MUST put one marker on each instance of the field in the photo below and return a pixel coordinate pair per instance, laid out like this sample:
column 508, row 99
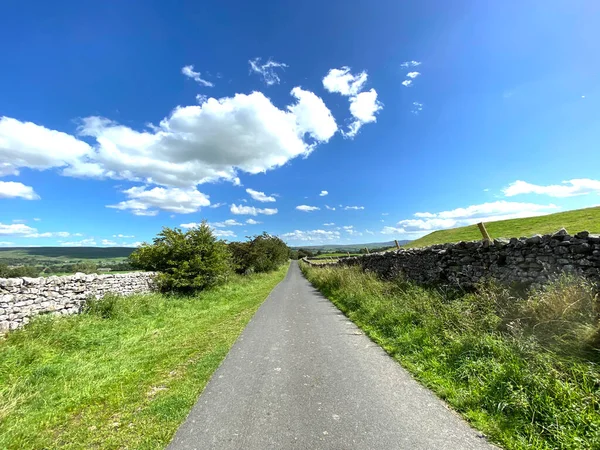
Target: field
column 524, row 369
column 352, row 248
column 573, row 221
column 334, row 255
column 124, row 374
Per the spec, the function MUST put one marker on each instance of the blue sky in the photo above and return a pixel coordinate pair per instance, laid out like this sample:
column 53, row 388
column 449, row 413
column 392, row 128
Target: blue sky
column 118, row 118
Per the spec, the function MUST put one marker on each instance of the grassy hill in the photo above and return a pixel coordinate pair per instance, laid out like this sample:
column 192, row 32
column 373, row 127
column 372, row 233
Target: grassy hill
column 574, row 221
column 67, row 252
column 334, row 248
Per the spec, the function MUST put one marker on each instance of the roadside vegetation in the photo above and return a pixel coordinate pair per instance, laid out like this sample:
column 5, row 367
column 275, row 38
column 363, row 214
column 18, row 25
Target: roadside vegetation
column 581, row 219
column 126, row 371
column 521, row 367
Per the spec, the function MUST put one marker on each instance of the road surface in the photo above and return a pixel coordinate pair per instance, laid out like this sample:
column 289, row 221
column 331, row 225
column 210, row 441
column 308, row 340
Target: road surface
column 302, row 376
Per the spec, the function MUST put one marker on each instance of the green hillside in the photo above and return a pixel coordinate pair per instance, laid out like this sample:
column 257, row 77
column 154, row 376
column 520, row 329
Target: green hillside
column 574, row 221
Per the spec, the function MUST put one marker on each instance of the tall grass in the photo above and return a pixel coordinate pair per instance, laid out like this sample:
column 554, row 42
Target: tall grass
column 125, row 373
column 523, row 369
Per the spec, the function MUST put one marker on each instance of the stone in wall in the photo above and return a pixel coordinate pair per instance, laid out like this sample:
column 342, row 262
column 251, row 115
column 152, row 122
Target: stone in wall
column 21, row 299
column 536, row 259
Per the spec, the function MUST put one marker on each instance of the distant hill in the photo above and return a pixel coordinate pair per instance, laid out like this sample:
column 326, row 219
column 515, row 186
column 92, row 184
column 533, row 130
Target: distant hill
column 573, row 221
column 67, row 252
column 349, row 247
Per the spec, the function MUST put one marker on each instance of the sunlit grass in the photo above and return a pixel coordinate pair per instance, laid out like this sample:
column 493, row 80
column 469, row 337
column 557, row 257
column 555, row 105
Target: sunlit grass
column 524, row 370
column 123, row 375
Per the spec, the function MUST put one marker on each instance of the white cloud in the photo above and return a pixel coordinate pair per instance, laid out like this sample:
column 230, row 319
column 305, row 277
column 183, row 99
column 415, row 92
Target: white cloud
column 267, row 70
column 189, row 225
column 252, row 222
column 486, row 212
column 330, row 224
column 410, row 64
column 369, row 232
column 570, row 188
column 311, row 235
column 25, row 144
column 227, row 223
column 6, row 244
column 142, row 200
column 217, row 205
column 406, row 83
column 356, row 208
column 350, row 230
column 48, row 234
column 363, row 107
column 413, row 75
column 417, row 108
column 82, row 243
column 331, row 208
column 343, row 82
column 312, row 116
column 307, row 208
column 37, row 219
column 251, row 210
column 109, row 243
column 260, row 196
column 188, row 71
column 194, row 144
column 12, row 189
column 392, row 230
column 385, row 214
column 224, row 233
column 323, row 193
column 123, row 236
column 15, row 229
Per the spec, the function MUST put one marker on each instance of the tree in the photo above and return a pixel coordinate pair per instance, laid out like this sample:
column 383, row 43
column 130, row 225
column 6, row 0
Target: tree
column 263, row 253
column 185, row 261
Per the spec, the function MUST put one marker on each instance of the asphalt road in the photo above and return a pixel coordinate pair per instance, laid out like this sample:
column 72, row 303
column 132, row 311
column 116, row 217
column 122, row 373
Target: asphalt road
column 302, row 376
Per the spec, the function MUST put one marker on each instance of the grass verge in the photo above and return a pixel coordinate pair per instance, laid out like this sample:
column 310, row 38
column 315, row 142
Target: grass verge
column 124, row 374
column 524, row 370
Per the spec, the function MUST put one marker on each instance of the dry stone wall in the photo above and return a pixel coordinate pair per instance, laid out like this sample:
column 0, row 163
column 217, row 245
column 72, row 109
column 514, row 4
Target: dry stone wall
column 526, row 260
column 23, row 298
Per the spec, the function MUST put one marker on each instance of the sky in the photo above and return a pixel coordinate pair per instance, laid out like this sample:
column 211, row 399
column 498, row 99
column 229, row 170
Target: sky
column 320, row 122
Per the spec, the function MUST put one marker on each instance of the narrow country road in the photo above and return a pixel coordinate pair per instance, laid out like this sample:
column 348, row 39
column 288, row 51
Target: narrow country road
column 302, row 376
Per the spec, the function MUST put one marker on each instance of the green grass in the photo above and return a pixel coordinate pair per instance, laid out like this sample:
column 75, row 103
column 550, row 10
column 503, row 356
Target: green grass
column 524, row 370
column 574, row 221
column 334, row 255
column 123, row 375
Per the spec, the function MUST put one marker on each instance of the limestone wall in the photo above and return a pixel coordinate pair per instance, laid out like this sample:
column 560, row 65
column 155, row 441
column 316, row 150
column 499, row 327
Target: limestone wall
column 23, row 298
column 525, row 260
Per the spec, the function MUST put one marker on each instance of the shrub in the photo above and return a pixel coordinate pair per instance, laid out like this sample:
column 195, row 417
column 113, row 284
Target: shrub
column 263, row 253
column 186, row 261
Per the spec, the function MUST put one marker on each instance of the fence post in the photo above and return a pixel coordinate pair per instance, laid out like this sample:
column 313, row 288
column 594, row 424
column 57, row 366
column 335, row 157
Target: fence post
column 367, row 250
column 484, row 233
column 397, row 245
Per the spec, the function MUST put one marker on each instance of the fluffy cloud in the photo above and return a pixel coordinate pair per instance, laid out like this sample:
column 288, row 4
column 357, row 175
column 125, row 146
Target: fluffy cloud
column 260, row 196
column 252, row 222
column 406, row 83
column 363, row 105
column 142, row 200
column 570, row 188
column 15, row 229
column 343, row 82
column 392, row 230
column 356, row 208
column 108, row 243
column 311, row 235
column 48, row 234
column 330, row 224
column 82, row 243
column 486, row 212
column 25, row 144
column 413, row 75
column 123, row 236
column 224, row 233
column 307, row 208
column 350, row 230
column 410, row 64
column 267, row 70
column 323, row 193
column 194, row 144
column 227, row 223
column 331, row 208
column 363, row 108
column 12, row 189
column 251, row 210
column 188, row 71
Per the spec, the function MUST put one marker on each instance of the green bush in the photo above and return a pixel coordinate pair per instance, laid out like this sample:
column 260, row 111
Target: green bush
column 20, row 271
column 186, row 261
column 263, row 253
